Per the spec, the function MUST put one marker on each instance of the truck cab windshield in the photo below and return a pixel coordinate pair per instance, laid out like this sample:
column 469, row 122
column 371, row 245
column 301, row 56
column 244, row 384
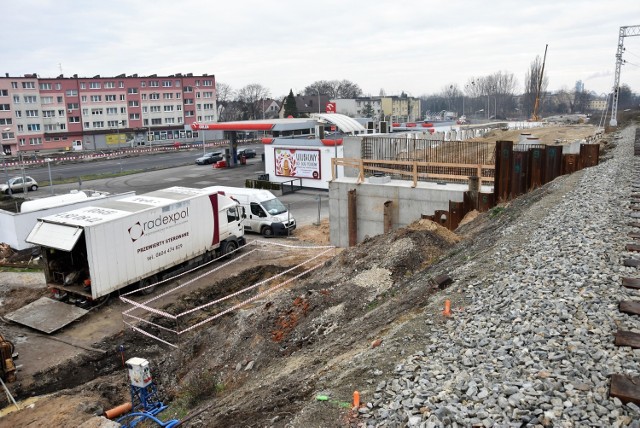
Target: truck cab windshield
column 274, row 206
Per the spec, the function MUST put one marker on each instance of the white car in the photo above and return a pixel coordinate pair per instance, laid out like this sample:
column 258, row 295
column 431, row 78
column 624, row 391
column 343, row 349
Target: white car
column 15, row 185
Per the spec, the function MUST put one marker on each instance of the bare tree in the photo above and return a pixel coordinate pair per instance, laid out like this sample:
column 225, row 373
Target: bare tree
column 333, row 89
column 251, row 96
column 224, row 93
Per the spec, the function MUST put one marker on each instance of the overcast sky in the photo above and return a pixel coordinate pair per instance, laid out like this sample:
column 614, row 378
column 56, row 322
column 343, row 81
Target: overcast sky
column 419, row 47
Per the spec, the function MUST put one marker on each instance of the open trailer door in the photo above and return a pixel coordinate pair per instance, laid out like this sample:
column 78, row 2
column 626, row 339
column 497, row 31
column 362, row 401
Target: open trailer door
column 45, row 314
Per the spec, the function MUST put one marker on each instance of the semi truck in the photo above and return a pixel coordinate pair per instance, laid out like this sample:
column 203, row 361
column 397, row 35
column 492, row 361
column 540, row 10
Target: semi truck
column 93, row 251
column 264, row 212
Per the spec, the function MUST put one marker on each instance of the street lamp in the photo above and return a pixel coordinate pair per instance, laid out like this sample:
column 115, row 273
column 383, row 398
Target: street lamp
column 4, row 165
column 48, row 161
column 318, row 99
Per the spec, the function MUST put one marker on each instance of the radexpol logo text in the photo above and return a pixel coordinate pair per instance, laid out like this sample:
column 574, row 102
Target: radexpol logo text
column 141, row 228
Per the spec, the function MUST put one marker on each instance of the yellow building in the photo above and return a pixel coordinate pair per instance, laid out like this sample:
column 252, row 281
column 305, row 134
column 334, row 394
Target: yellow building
column 401, row 109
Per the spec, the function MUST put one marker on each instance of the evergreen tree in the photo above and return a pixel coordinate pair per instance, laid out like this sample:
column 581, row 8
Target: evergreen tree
column 290, row 108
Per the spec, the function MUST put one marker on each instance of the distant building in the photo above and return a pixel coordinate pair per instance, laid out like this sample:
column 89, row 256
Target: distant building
column 93, row 113
column 270, row 108
column 306, row 105
column 391, row 108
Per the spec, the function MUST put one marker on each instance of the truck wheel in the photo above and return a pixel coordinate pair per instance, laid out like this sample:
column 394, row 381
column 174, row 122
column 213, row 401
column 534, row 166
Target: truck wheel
column 267, row 231
column 146, row 282
column 230, row 248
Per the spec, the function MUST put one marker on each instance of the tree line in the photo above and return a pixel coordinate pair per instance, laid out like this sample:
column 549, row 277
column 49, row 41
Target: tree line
column 489, row 96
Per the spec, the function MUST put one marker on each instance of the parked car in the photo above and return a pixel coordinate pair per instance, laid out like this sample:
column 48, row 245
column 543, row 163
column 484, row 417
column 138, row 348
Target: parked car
column 208, row 158
column 16, row 185
column 248, row 153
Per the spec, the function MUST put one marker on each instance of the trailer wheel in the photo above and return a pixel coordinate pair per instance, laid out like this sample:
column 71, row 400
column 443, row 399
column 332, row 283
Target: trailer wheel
column 145, row 283
column 267, row 231
column 229, row 250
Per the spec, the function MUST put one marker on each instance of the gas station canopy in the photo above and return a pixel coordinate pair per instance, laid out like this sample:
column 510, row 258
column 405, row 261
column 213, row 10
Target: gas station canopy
column 343, row 123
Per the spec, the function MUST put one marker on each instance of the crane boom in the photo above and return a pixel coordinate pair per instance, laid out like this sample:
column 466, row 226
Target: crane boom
column 536, row 105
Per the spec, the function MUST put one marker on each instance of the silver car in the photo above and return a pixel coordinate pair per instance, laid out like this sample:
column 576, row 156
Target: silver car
column 15, row 184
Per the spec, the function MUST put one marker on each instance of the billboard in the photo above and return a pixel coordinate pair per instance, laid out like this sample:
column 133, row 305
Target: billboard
column 298, row 163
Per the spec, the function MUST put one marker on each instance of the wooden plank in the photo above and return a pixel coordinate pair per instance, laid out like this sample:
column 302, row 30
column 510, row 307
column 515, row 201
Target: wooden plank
column 627, row 338
column 631, row 283
column 630, row 307
column 626, row 388
column 631, row 262
column 632, row 247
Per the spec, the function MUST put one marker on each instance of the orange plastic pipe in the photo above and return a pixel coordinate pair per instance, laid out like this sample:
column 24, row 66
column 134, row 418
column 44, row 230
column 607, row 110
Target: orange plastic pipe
column 117, row 411
column 356, row 399
column 447, row 308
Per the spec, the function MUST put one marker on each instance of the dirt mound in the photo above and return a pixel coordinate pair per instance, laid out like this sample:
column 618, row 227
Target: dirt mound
column 318, row 235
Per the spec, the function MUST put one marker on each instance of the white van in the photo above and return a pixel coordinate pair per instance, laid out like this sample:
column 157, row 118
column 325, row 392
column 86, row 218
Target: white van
column 265, row 214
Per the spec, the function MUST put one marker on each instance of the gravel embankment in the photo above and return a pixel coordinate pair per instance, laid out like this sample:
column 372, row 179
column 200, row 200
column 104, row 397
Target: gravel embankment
column 534, row 346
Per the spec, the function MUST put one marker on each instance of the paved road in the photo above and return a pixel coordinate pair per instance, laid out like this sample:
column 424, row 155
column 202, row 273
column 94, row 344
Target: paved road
column 303, row 204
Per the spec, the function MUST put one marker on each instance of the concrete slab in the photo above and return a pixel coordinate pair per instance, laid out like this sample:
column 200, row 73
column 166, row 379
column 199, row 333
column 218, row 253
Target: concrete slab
column 46, row 315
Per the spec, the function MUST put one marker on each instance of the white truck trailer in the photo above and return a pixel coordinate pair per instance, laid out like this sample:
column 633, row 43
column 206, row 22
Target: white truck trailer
column 93, row 251
column 264, row 212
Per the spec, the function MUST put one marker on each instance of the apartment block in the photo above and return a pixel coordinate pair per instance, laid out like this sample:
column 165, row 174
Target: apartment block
column 98, row 113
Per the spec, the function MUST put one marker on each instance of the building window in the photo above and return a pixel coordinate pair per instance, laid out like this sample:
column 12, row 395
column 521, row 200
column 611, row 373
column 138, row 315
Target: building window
column 112, row 110
column 169, row 120
column 62, row 127
column 112, row 124
column 87, row 125
column 154, row 96
column 134, row 103
column 98, row 124
column 4, row 92
column 155, row 109
column 85, row 111
column 60, row 113
column 134, row 116
column 166, row 83
column 188, row 113
column 83, row 85
column 154, row 83
column 110, row 98
column 58, row 86
column 46, row 100
column 60, row 100
column 14, row 85
column 6, row 121
column 48, row 113
column 83, row 98
column 121, row 84
column 168, row 108
column 73, row 106
column 49, row 128
column 132, row 90
column 122, row 97
column 33, row 127
column 109, row 85
column 143, row 84
column 177, row 85
column 197, row 83
column 35, row 141
column 16, row 99
column 28, row 85
column 208, row 107
column 74, row 119
column 20, row 128
column 207, row 83
column 31, row 113
column 207, row 95
column 188, row 89
column 178, row 107
column 167, row 96
column 45, row 86
column 143, row 97
column 96, row 98
column 18, row 113
column 188, row 101
column 178, row 95
column 94, row 85
column 156, row 121
column 123, row 110
column 71, row 93
column 96, row 111
column 8, row 136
